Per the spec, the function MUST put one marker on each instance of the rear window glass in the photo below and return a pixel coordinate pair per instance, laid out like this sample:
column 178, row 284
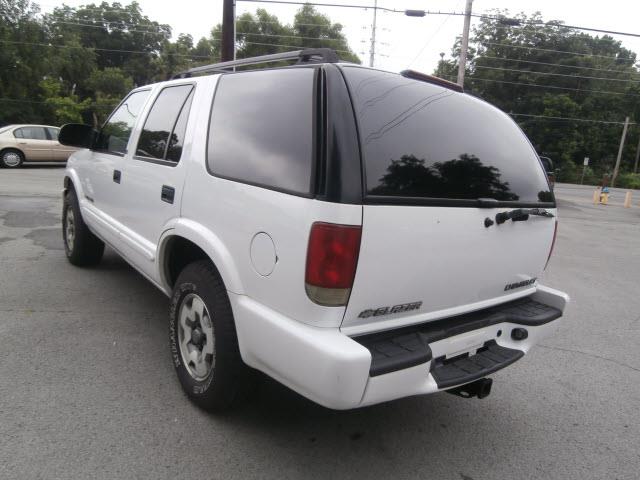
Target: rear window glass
column 422, row 140
column 261, row 129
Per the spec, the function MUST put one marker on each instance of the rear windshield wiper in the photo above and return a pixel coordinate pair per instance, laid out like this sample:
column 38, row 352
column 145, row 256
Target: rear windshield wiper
column 522, row 214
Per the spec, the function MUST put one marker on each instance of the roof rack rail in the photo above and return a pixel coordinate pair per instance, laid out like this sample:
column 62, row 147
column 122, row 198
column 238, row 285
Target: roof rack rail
column 423, row 77
column 309, row 55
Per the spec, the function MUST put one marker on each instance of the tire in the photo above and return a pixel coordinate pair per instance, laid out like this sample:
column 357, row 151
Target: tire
column 210, row 370
column 82, row 247
column 11, row 158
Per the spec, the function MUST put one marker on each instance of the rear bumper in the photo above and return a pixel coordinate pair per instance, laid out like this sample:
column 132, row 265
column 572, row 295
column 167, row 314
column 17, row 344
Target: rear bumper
column 337, row 371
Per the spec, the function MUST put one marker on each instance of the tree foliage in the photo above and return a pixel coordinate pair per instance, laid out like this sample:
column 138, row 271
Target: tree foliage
column 263, row 34
column 535, row 71
column 76, row 64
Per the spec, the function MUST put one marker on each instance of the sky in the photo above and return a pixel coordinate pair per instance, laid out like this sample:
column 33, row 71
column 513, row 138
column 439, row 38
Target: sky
column 402, row 42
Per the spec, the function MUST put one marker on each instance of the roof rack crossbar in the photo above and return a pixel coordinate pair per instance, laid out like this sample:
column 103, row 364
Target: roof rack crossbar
column 309, row 55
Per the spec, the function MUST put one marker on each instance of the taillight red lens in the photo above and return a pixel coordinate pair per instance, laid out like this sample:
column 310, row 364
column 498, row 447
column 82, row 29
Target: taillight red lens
column 553, row 243
column 332, row 256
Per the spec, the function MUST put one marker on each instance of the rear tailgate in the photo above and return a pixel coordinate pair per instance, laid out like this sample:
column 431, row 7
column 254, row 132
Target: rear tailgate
column 443, row 258
column 439, row 165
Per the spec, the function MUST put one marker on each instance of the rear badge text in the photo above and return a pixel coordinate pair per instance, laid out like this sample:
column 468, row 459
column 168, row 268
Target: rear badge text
column 377, row 312
column 525, row 283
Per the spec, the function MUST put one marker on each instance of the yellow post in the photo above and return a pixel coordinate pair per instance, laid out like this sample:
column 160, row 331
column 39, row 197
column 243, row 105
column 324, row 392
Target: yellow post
column 627, row 200
column 596, row 196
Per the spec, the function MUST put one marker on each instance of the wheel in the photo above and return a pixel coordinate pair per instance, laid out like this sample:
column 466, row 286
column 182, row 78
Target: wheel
column 11, row 158
column 203, row 340
column 82, row 247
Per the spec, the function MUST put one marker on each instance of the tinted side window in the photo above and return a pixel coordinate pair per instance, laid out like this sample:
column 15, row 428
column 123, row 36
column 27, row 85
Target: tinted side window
column 53, row 133
column 115, row 133
column 159, row 133
column 31, row 133
column 261, row 129
column 174, row 150
column 423, row 140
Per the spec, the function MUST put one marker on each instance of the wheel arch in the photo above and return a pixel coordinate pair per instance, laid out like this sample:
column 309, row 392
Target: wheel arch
column 185, row 242
column 71, row 180
column 15, row 149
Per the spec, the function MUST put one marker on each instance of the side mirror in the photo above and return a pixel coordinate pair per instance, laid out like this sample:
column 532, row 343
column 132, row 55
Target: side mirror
column 77, row 135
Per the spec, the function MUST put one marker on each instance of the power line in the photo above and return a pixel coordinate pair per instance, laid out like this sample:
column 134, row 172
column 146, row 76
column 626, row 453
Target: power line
column 285, row 46
column 100, row 49
column 157, row 32
column 430, row 39
column 16, row 100
column 240, row 20
column 557, row 74
column 551, row 64
column 292, row 36
column 87, row 9
column 323, row 5
column 572, row 119
column 553, row 87
column 561, row 25
column 556, row 51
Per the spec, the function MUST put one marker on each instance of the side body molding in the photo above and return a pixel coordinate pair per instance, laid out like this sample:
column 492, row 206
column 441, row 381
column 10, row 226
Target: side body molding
column 209, row 242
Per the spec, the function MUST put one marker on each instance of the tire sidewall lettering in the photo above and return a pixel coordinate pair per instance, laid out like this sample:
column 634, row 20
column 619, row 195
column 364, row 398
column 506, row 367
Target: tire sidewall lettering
column 180, row 293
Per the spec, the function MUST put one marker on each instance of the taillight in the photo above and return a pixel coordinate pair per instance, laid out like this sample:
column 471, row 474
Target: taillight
column 332, row 256
column 553, row 242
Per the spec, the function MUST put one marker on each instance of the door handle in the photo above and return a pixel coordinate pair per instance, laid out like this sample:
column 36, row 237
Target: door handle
column 117, row 175
column 167, row 194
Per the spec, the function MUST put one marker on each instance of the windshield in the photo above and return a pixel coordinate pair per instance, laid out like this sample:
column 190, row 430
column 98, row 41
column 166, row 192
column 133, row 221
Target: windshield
column 4, row 129
column 422, row 140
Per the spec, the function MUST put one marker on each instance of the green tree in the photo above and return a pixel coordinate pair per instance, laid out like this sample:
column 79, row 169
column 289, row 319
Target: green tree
column 63, row 108
column 121, row 36
column 21, row 61
column 535, row 71
column 109, row 86
column 262, row 34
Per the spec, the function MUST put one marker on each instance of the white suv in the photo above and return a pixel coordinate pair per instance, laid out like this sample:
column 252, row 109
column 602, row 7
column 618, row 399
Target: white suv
column 358, row 235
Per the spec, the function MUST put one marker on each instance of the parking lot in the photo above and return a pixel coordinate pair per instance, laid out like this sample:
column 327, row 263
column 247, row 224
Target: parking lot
column 87, row 388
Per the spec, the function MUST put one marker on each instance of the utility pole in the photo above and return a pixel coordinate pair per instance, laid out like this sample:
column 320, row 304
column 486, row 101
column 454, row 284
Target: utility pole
column 373, row 34
column 617, row 167
column 465, row 43
column 635, row 165
column 227, row 48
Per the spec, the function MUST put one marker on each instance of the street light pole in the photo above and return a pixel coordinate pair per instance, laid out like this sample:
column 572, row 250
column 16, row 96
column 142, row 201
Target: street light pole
column 465, row 43
column 373, row 34
column 635, row 164
column 622, row 139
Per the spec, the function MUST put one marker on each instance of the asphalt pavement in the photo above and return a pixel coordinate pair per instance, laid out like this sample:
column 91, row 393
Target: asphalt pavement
column 87, row 389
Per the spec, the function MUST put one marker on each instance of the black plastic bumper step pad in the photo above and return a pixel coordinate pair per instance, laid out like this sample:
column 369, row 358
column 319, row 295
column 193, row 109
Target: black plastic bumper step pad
column 464, row 369
column 393, row 353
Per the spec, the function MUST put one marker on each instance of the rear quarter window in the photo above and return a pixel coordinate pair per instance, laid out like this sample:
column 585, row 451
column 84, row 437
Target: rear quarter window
column 262, row 129
column 163, row 133
column 421, row 140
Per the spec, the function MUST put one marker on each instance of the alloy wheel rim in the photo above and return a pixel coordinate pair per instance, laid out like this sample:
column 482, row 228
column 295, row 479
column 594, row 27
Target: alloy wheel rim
column 196, row 339
column 11, row 159
column 70, row 228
